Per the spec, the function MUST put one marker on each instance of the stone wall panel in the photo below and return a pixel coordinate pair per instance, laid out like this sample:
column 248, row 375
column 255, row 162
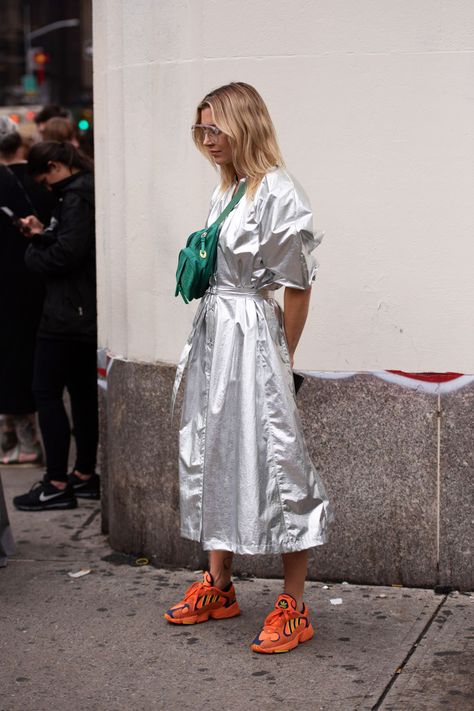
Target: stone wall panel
column 457, row 489
column 375, row 444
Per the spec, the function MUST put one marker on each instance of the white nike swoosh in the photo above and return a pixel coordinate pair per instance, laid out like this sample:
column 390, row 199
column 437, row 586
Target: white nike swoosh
column 44, row 497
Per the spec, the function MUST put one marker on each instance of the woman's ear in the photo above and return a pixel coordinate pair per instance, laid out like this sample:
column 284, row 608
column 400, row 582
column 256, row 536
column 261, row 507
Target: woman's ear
column 52, row 166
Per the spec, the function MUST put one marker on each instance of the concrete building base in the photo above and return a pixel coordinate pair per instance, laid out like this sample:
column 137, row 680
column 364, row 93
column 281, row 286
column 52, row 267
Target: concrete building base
column 396, row 462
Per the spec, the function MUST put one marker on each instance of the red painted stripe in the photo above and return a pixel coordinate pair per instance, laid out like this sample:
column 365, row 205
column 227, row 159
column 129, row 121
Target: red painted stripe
column 428, row 377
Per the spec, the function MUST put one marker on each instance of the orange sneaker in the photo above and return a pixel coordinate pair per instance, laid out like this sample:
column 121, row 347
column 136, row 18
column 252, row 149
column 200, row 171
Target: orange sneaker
column 284, row 628
column 202, row 601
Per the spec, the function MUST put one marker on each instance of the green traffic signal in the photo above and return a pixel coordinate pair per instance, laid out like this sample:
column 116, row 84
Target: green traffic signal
column 83, row 125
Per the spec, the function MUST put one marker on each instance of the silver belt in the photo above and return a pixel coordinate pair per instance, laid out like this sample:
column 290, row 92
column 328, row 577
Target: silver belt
column 239, row 291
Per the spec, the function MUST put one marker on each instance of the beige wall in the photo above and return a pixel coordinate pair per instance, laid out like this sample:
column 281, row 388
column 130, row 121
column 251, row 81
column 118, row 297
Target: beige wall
column 373, row 104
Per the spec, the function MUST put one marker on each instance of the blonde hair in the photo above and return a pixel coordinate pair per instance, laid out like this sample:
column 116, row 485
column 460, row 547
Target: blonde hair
column 240, row 113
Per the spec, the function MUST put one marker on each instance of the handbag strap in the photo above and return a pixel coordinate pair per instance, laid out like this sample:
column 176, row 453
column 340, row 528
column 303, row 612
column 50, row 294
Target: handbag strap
column 21, row 187
column 240, row 192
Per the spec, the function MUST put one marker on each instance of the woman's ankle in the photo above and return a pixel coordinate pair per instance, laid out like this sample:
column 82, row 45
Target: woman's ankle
column 58, row 484
column 220, row 567
column 223, row 583
column 80, row 475
column 295, row 567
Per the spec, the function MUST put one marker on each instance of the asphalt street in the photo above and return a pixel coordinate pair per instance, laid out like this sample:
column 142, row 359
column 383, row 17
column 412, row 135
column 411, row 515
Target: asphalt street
column 99, row 641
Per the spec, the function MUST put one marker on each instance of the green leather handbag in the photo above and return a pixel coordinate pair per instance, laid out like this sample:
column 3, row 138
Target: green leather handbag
column 197, row 261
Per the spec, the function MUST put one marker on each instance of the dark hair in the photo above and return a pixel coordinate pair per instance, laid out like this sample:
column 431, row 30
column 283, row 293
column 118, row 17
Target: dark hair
column 10, row 143
column 45, row 151
column 50, row 111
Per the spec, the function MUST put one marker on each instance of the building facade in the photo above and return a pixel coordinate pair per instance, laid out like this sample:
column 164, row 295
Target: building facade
column 372, row 107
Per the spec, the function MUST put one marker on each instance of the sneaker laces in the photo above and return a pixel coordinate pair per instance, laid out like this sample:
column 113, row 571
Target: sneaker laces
column 192, row 593
column 279, row 615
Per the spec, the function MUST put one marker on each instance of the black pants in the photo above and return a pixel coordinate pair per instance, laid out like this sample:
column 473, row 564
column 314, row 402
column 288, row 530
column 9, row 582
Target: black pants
column 71, row 365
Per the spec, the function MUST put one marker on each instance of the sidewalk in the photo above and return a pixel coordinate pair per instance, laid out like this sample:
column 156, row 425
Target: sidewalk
column 100, row 643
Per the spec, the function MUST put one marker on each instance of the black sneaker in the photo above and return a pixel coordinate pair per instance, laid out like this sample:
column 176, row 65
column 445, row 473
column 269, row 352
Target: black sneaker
column 43, row 496
column 89, row 489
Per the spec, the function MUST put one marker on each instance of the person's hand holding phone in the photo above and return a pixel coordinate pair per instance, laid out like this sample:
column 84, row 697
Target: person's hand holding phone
column 31, row 226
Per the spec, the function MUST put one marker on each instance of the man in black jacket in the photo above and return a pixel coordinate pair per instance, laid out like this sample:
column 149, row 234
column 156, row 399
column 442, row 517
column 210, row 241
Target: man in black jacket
column 64, row 254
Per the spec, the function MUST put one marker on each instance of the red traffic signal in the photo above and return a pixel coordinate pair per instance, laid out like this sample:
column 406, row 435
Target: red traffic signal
column 40, row 58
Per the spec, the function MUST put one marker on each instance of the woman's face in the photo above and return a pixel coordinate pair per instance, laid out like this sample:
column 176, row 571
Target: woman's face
column 57, row 172
column 218, row 147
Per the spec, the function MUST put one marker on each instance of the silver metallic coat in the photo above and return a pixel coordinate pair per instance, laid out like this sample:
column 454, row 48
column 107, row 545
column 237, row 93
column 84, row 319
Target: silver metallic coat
column 247, row 483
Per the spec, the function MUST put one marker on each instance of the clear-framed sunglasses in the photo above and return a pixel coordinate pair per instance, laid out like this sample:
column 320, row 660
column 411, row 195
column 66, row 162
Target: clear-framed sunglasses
column 201, row 130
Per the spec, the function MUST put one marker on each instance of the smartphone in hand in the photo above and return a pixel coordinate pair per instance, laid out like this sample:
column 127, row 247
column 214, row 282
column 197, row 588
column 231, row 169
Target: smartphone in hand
column 12, row 217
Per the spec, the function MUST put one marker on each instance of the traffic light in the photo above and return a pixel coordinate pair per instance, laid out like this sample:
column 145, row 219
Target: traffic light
column 84, row 120
column 40, row 60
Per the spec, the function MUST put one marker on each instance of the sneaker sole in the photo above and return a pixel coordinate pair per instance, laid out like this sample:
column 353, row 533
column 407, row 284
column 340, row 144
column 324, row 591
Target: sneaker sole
column 87, row 495
column 58, row 505
column 305, row 636
column 222, row 613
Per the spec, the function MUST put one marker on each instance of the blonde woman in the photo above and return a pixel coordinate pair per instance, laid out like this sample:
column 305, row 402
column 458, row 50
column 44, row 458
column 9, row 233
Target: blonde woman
column 247, row 484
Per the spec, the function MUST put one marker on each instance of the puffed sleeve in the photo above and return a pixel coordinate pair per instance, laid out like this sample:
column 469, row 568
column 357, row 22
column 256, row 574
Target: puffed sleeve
column 286, row 234
column 214, row 206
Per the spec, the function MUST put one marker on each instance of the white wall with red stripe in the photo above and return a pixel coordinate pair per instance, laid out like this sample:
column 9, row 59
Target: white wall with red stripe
column 373, row 105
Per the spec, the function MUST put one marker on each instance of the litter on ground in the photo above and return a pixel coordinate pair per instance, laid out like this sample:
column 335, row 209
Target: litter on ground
column 80, row 573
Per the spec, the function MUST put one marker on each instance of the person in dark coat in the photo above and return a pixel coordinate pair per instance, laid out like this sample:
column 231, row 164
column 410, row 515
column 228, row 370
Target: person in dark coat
column 66, row 349
column 21, row 298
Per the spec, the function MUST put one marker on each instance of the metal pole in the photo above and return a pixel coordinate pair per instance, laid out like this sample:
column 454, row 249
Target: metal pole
column 27, row 39
column 54, row 26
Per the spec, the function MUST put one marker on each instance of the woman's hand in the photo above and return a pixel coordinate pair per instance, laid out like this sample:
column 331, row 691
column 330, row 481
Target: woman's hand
column 295, row 314
column 31, row 226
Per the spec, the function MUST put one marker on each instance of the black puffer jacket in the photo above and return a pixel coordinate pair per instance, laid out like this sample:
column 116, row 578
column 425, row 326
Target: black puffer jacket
column 65, row 255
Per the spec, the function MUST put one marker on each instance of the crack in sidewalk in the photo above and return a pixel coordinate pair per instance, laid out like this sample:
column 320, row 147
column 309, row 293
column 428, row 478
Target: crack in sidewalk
column 411, row 651
column 76, row 536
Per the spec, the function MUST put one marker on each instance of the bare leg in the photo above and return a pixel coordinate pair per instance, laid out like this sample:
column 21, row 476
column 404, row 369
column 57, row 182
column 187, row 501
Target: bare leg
column 295, row 566
column 19, row 440
column 220, row 567
column 25, row 426
column 80, row 475
column 9, row 438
